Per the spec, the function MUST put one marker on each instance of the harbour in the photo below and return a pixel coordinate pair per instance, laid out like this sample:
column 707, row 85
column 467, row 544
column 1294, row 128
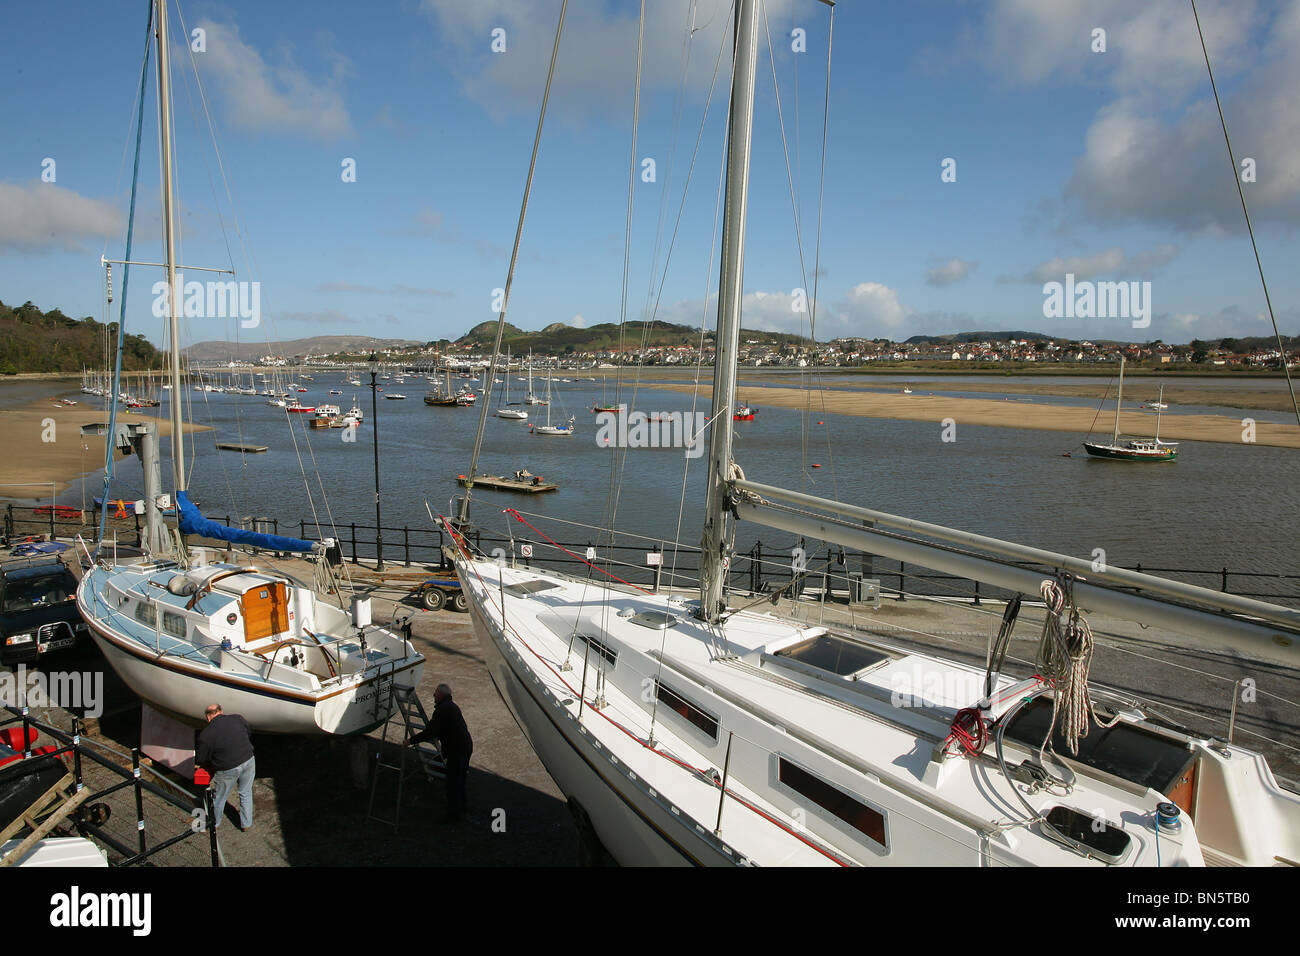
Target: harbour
column 822, row 577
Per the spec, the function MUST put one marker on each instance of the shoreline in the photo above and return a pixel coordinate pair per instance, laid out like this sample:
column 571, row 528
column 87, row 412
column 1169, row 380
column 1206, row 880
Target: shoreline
column 46, row 451
column 1002, row 414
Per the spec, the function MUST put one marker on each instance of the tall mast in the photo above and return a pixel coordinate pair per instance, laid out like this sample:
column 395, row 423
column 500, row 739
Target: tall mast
column 1160, row 400
column 1119, row 400
column 169, row 240
column 714, row 560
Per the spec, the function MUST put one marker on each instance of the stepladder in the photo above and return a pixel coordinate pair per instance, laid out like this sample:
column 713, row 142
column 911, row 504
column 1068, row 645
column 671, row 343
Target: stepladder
column 408, row 714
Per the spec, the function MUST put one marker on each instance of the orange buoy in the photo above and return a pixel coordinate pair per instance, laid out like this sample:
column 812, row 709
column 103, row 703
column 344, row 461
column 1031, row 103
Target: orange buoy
column 816, row 466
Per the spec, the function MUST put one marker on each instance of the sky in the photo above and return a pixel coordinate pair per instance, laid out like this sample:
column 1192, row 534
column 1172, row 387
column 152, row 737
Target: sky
column 974, row 152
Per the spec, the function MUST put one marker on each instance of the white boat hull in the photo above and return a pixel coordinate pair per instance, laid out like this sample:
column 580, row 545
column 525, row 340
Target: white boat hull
column 636, row 828
column 185, row 690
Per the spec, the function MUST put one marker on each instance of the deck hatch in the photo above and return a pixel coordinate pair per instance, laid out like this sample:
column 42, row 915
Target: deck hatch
column 655, row 620
column 525, row 588
column 834, row 654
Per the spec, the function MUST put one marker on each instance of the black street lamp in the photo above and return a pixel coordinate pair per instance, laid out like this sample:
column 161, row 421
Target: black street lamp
column 374, row 416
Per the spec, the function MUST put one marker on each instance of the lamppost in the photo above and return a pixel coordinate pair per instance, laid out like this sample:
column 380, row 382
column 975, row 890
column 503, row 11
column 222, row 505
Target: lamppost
column 374, row 417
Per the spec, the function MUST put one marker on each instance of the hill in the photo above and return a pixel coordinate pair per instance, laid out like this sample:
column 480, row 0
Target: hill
column 36, row 341
column 558, row 337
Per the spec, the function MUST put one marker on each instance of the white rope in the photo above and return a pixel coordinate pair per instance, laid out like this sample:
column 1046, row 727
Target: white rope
column 1065, row 658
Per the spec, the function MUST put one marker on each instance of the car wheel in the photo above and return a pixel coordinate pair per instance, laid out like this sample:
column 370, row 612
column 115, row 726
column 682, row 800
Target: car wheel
column 459, row 602
column 433, row 599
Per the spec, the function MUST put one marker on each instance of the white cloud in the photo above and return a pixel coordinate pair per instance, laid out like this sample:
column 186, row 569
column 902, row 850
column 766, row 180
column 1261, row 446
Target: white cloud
column 1154, row 152
column 43, row 217
column 595, row 70
column 578, row 322
column 946, row 273
column 282, row 98
column 1112, row 261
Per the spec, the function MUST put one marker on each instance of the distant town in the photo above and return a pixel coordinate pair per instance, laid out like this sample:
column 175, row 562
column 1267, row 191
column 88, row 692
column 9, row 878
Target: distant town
column 841, row 353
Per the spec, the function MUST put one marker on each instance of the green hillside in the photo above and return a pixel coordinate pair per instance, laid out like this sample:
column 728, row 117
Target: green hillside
column 36, row 341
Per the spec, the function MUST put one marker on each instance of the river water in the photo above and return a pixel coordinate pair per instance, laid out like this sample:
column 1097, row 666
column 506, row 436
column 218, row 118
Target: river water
column 1232, row 506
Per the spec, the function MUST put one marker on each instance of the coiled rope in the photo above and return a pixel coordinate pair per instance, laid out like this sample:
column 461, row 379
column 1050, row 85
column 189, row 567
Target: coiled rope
column 1065, row 658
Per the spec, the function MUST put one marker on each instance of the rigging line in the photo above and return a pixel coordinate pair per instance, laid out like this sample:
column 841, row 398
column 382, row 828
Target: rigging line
column 672, row 153
column 249, row 258
column 704, row 319
column 817, row 255
column 794, row 208
column 510, row 271
column 722, row 45
column 110, row 444
column 611, row 498
column 1232, row 159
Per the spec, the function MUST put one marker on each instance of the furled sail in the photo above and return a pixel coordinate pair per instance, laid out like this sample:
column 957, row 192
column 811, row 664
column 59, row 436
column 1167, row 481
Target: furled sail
column 191, row 521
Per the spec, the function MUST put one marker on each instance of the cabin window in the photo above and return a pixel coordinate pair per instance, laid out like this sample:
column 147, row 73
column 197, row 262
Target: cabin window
column 684, row 708
column 146, row 614
column 600, row 647
column 866, row 820
column 173, row 624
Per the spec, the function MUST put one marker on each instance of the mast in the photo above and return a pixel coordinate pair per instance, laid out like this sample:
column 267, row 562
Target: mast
column 714, row 560
column 1119, row 400
column 1160, row 400
column 169, row 241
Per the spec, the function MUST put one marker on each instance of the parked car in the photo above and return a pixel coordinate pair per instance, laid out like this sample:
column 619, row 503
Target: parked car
column 440, row 590
column 38, row 610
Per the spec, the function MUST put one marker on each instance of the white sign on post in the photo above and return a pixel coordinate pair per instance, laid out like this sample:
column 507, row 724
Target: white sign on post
column 653, row 558
column 526, row 550
column 591, row 554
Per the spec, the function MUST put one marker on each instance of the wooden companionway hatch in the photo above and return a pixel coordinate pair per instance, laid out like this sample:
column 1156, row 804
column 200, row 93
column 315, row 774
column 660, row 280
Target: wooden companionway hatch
column 265, row 610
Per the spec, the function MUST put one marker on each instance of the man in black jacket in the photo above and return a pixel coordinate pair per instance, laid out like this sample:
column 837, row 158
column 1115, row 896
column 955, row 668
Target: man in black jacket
column 226, row 751
column 448, row 726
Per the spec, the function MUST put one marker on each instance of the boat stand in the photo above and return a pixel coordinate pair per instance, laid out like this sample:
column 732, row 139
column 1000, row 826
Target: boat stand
column 404, row 703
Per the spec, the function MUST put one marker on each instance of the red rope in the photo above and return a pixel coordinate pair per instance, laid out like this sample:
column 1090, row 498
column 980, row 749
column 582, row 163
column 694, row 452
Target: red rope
column 553, row 542
column 970, row 730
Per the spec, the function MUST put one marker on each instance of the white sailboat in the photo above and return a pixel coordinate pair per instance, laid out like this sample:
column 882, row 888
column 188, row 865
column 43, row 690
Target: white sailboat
column 512, row 412
column 688, row 732
column 553, row 431
column 183, row 633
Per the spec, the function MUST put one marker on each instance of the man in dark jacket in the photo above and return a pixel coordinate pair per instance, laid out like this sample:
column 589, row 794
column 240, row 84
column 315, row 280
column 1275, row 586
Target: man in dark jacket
column 448, row 727
column 226, row 751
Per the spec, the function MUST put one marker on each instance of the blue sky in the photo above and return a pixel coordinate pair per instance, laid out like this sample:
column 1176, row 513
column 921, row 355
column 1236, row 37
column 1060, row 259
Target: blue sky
column 1109, row 165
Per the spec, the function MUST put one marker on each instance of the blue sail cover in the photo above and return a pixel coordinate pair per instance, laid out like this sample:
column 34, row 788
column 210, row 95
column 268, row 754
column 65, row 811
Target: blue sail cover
column 191, row 521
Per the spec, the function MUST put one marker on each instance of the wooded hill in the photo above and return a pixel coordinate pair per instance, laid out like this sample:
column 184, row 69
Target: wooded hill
column 36, row 341
column 559, row 337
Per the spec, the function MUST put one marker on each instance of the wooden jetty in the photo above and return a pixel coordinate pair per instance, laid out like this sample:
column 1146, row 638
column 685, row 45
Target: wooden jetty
column 240, row 446
column 529, row 486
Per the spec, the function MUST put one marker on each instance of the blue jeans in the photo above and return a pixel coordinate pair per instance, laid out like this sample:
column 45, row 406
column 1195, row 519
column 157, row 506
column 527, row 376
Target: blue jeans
column 224, row 781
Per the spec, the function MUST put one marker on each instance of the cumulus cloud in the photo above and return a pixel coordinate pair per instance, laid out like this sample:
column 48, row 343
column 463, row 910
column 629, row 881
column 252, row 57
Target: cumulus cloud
column 946, row 273
column 1154, row 152
column 281, row 97
column 44, row 217
column 578, row 322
